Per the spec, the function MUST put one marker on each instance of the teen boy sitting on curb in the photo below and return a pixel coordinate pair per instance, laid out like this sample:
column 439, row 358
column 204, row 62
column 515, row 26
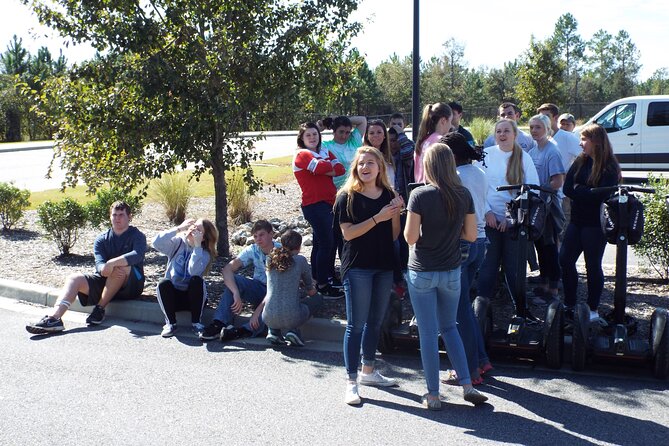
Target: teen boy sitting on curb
column 238, row 288
column 119, row 273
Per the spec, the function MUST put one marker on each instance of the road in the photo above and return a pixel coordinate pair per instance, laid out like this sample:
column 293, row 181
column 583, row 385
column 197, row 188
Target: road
column 125, row 385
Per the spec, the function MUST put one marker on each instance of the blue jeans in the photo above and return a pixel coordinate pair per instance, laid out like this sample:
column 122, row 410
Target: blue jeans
column 367, row 298
column 591, row 241
column 435, row 296
column 319, row 215
column 250, row 291
column 468, row 327
column 501, row 251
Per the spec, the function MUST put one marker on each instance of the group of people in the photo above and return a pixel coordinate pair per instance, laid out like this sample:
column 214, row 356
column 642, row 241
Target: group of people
column 427, row 217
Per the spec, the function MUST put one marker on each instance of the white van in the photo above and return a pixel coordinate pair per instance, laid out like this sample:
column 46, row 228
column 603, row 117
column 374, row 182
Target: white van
column 638, row 129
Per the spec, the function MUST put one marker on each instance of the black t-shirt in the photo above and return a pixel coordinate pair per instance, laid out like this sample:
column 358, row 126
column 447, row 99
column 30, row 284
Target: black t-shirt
column 438, row 247
column 374, row 249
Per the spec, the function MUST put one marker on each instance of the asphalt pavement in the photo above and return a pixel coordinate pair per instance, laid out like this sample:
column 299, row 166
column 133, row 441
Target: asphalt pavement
column 122, row 384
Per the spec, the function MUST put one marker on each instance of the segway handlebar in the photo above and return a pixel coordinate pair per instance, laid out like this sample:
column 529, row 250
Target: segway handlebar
column 526, row 186
column 627, row 187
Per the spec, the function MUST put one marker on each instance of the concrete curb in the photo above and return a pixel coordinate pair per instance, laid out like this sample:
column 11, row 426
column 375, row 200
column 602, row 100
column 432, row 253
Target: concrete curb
column 331, row 330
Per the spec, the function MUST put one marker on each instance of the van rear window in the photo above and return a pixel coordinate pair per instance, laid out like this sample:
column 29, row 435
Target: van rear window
column 658, row 114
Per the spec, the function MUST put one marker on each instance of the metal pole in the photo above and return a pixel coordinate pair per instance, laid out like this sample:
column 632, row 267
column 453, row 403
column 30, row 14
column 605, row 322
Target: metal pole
column 415, row 97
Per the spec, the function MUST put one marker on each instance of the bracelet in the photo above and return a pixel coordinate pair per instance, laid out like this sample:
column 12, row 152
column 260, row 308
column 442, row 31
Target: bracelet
column 374, row 220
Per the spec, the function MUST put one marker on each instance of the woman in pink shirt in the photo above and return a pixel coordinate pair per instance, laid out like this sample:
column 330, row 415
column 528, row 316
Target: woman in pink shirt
column 435, row 123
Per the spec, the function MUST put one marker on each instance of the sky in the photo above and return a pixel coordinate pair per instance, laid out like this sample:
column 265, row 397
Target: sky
column 492, row 32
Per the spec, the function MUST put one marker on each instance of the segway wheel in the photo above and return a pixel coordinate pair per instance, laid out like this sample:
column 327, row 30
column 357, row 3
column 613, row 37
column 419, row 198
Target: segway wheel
column 483, row 313
column 392, row 320
column 555, row 340
column 579, row 338
column 659, row 341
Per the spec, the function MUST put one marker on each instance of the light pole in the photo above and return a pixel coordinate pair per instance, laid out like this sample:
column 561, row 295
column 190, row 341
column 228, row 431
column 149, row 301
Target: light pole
column 415, row 95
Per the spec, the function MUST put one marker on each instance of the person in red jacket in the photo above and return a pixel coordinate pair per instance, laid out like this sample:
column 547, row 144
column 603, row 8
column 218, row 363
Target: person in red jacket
column 314, row 167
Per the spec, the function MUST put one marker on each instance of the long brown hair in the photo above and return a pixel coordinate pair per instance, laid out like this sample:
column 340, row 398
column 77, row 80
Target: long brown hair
column 354, row 185
column 439, row 167
column 514, row 168
column 603, row 158
column 209, row 239
column 432, row 113
column 385, row 145
column 281, row 258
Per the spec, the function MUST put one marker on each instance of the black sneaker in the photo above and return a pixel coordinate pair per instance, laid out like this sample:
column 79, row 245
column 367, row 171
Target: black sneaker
column 230, row 333
column 46, row 325
column 294, row 339
column 335, row 282
column 330, row 293
column 211, row 331
column 97, row 316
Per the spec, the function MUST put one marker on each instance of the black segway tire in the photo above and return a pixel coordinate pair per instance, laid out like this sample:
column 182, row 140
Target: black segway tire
column 483, row 313
column 393, row 319
column 579, row 337
column 659, row 341
column 554, row 346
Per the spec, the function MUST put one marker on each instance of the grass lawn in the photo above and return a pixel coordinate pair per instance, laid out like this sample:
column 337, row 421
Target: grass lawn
column 271, row 171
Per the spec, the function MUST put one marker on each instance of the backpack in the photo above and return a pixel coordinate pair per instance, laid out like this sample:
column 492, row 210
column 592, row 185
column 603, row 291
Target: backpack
column 536, row 214
column 611, row 220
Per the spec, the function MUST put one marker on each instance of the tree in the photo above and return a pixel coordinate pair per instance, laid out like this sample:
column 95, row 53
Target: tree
column 393, row 77
column 16, row 59
column 571, row 47
column 175, row 83
column 657, row 83
column 540, row 78
column 626, row 64
column 454, row 56
column 500, row 85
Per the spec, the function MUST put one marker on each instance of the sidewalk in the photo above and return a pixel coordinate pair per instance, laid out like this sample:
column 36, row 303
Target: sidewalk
column 328, row 330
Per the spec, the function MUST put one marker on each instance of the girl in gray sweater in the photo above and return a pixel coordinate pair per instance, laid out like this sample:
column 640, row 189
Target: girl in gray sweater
column 283, row 308
column 190, row 249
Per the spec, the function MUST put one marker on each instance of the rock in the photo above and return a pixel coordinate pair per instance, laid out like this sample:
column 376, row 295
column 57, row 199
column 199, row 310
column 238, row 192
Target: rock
column 308, row 241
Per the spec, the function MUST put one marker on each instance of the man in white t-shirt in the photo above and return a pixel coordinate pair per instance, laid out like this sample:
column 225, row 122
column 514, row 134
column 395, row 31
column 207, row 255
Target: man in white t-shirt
column 509, row 110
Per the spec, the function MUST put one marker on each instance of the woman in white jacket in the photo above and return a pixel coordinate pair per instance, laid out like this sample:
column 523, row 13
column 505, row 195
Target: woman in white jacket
column 190, row 249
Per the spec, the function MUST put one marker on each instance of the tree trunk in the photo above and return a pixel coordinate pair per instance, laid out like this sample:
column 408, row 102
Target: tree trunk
column 13, row 118
column 221, row 203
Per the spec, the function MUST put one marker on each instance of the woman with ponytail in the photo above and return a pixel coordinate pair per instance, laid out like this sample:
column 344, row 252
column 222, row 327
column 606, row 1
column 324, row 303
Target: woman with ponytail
column 283, row 308
column 435, row 122
column 505, row 164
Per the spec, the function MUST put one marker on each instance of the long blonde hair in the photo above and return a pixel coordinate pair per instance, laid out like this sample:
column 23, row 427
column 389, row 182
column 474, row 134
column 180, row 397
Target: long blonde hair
column 354, row 185
column 514, row 168
column 439, row 168
column 432, row 113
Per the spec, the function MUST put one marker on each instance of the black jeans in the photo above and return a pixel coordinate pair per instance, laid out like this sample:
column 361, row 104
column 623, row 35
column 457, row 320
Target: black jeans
column 172, row 300
column 590, row 241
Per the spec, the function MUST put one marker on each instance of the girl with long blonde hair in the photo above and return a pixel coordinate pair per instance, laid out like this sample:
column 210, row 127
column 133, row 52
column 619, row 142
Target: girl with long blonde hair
column 368, row 213
column 505, row 164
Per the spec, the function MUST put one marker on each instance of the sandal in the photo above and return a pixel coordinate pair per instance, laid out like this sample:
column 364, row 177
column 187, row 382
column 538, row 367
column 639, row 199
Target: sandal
column 487, row 367
column 451, row 378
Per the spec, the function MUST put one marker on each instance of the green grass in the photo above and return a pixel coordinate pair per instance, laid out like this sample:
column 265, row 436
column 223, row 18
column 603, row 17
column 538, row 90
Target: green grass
column 271, row 171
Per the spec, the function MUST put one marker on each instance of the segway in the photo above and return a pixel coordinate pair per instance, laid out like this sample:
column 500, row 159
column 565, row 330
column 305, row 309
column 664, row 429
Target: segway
column 525, row 335
column 615, row 342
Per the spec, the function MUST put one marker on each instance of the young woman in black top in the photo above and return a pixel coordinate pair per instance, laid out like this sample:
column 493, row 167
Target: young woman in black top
column 595, row 167
column 368, row 212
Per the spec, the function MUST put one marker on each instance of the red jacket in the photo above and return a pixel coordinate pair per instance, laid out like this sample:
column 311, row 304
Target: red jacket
column 310, row 169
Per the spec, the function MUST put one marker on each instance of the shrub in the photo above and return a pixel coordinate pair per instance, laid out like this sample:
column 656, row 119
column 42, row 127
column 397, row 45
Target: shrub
column 97, row 211
column 13, row 202
column 62, row 221
column 173, row 192
column 654, row 246
column 239, row 198
column 481, row 128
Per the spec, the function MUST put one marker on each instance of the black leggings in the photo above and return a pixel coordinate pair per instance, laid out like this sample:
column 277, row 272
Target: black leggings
column 172, row 300
column 548, row 263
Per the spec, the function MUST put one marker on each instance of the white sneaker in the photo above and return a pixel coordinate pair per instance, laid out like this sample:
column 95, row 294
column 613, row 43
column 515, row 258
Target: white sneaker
column 376, row 379
column 351, row 396
column 168, row 330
